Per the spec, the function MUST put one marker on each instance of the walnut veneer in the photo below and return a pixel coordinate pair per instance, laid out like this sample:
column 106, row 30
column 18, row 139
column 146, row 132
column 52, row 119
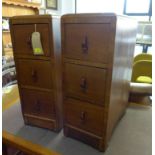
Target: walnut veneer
column 97, row 54
column 39, row 76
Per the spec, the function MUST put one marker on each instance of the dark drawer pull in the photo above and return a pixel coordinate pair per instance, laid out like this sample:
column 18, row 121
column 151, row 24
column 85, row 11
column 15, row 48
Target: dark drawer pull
column 83, row 84
column 29, row 43
column 83, row 116
column 34, row 75
column 37, row 106
column 19, row 153
column 84, row 45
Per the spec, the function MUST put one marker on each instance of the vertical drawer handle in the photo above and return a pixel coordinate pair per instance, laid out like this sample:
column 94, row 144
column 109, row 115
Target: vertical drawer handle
column 84, row 45
column 83, row 116
column 34, row 75
column 37, row 106
column 29, row 42
column 18, row 152
column 83, row 84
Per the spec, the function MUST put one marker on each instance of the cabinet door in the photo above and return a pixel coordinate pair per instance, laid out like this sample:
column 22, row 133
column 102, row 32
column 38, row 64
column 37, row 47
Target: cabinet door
column 86, row 83
column 34, row 73
column 84, row 116
column 22, row 34
column 88, row 42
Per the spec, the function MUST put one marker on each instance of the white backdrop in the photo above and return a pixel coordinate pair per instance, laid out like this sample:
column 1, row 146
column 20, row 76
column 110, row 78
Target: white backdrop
column 100, row 6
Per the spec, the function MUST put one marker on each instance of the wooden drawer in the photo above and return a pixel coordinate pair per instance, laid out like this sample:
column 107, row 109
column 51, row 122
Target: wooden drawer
column 84, row 116
column 22, row 38
column 88, row 42
column 35, row 73
column 38, row 103
column 86, row 83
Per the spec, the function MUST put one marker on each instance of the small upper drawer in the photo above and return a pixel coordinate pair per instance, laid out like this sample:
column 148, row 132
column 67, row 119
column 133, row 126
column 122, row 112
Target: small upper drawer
column 38, row 103
column 22, row 39
column 88, row 42
column 35, row 73
column 84, row 116
column 83, row 82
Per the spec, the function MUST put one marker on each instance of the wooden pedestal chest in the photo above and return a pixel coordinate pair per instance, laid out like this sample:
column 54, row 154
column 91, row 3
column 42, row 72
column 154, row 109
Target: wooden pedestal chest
column 39, row 75
column 97, row 54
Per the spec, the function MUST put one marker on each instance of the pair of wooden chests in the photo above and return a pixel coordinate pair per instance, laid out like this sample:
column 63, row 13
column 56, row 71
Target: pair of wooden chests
column 73, row 72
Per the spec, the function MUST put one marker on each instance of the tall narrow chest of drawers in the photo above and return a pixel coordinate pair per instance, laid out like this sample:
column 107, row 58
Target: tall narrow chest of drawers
column 38, row 70
column 97, row 54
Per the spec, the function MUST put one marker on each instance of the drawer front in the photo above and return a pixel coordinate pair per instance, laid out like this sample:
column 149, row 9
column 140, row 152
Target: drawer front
column 83, row 82
column 88, row 42
column 22, row 38
column 84, row 116
column 38, row 103
column 35, row 73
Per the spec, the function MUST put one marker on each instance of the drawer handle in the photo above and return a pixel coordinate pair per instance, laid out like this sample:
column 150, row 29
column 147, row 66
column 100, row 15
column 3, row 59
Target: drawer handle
column 37, row 106
column 18, row 153
column 29, row 43
column 83, row 84
column 84, row 45
column 34, row 75
column 83, row 116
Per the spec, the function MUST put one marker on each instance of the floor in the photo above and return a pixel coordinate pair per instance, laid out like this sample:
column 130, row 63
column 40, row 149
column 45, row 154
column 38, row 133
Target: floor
column 10, row 96
column 133, row 135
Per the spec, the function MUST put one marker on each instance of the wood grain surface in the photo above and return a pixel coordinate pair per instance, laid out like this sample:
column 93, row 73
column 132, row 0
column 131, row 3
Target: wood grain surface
column 97, row 54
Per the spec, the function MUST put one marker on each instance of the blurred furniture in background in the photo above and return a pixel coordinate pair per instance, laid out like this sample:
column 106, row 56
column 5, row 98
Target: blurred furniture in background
column 141, row 82
column 140, row 93
column 8, row 71
column 142, row 56
column 142, row 68
column 13, row 8
column 144, row 35
column 10, row 96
